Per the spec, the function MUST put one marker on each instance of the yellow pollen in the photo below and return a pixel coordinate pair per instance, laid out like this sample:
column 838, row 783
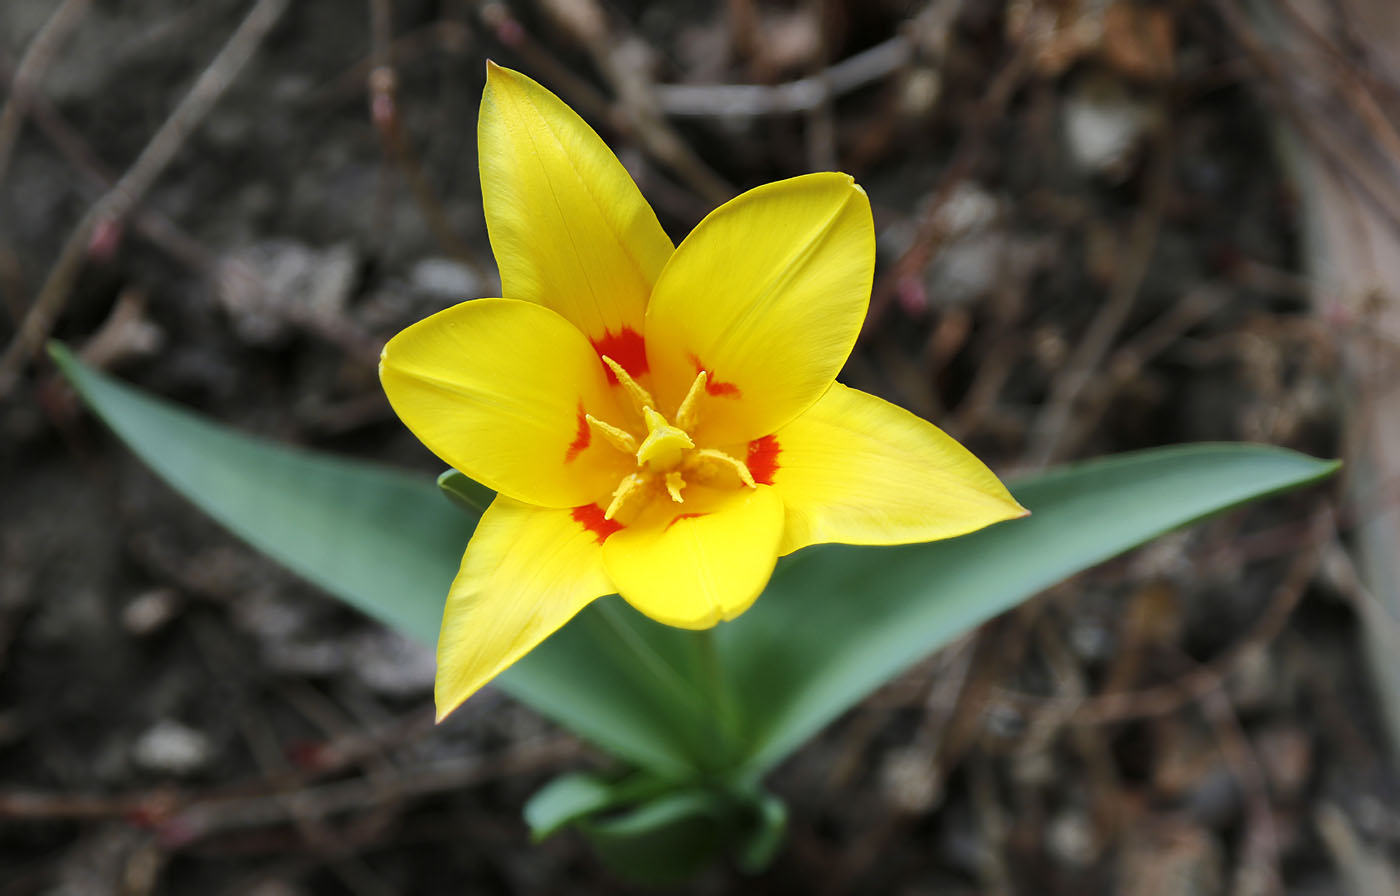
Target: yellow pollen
column 689, row 413
column 640, row 397
column 620, row 439
column 665, row 445
column 674, row 484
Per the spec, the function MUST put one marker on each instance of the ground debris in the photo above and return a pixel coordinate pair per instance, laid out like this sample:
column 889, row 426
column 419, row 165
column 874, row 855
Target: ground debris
column 183, row 716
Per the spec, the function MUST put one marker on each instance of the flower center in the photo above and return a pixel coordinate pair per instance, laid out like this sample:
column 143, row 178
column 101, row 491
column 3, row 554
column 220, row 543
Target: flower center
column 665, row 445
column 667, row 456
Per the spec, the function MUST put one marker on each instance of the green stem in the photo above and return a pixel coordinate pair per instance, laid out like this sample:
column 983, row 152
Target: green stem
column 716, row 689
column 650, row 660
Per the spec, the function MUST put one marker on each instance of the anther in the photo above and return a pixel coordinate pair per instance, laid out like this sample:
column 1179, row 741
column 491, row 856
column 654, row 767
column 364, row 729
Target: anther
column 689, row 413
column 640, row 397
column 719, row 457
column 629, row 486
column 674, row 483
column 620, row 439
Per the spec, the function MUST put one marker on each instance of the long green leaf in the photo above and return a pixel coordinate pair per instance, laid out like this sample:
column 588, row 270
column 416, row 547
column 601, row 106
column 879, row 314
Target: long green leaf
column 389, row 543
column 835, row 623
column 839, row 621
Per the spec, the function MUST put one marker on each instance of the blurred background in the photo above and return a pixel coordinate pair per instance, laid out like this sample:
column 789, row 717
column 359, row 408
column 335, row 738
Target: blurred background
column 1103, row 225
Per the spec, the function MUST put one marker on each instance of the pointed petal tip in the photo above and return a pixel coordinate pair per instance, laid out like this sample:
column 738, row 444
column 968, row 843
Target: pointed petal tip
column 498, row 75
column 1015, row 510
column 445, row 703
column 849, row 179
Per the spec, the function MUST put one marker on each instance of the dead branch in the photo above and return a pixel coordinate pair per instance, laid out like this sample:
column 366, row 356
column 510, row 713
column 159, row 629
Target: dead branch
column 791, row 98
column 42, row 50
column 117, row 203
column 930, row 233
column 1195, row 685
column 1050, row 429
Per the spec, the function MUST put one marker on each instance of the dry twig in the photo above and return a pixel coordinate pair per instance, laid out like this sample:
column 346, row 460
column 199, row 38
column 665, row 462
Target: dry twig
column 117, row 203
column 1051, row 428
column 1165, row 698
column 30, row 70
column 1259, row 870
column 383, row 83
column 930, row 233
column 636, row 104
column 791, row 98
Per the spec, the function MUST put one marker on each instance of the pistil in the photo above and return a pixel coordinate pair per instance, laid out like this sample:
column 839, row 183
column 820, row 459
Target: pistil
column 665, row 445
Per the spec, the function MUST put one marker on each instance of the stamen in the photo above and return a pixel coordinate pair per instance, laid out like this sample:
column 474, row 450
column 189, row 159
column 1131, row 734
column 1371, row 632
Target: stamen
column 733, row 463
column 674, row 484
column 640, row 397
column 689, row 413
column 628, row 487
column 620, row 439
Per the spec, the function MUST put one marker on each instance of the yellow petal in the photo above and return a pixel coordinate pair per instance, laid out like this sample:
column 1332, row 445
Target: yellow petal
column 767, row 294
column 501, row 390
column 568, row 226
column 693, row 564
column 526, row 572
column 858, row 470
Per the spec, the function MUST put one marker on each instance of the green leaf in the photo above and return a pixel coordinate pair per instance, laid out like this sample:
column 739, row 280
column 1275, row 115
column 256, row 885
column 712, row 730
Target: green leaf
column 387, row 543
column 566, row 799
column 573, row 796
column 465, row 492
column 763, row 833
column 636, row 821
column 664, row 840
column 839, row 621
column 835, row 623
column 381, row 540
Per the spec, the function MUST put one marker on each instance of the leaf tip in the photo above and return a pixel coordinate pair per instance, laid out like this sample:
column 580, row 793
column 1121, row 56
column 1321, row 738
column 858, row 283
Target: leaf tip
column 59, row 352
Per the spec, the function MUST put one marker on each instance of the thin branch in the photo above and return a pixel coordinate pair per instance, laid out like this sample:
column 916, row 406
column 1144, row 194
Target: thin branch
column 30, row 70
column 1051, row 427
column 931, row 234
column 1158, row 700
column 117, row 203
column 802, row 95
column 1259, row 871
column 636, row 105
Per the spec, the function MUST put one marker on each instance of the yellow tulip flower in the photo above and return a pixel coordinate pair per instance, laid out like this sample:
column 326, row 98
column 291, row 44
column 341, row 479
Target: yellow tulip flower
column 659, row 422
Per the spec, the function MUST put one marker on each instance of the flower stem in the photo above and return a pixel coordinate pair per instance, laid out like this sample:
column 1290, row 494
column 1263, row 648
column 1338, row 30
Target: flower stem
column 716, row 689
column 661, row 670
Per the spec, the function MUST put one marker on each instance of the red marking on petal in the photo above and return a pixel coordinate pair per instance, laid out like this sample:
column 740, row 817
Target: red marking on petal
column 722, row 390
column 627, row 348
column 678, row 518
column 763, row 459
column 582, row 437
column 714, row 387
column 591, row 517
